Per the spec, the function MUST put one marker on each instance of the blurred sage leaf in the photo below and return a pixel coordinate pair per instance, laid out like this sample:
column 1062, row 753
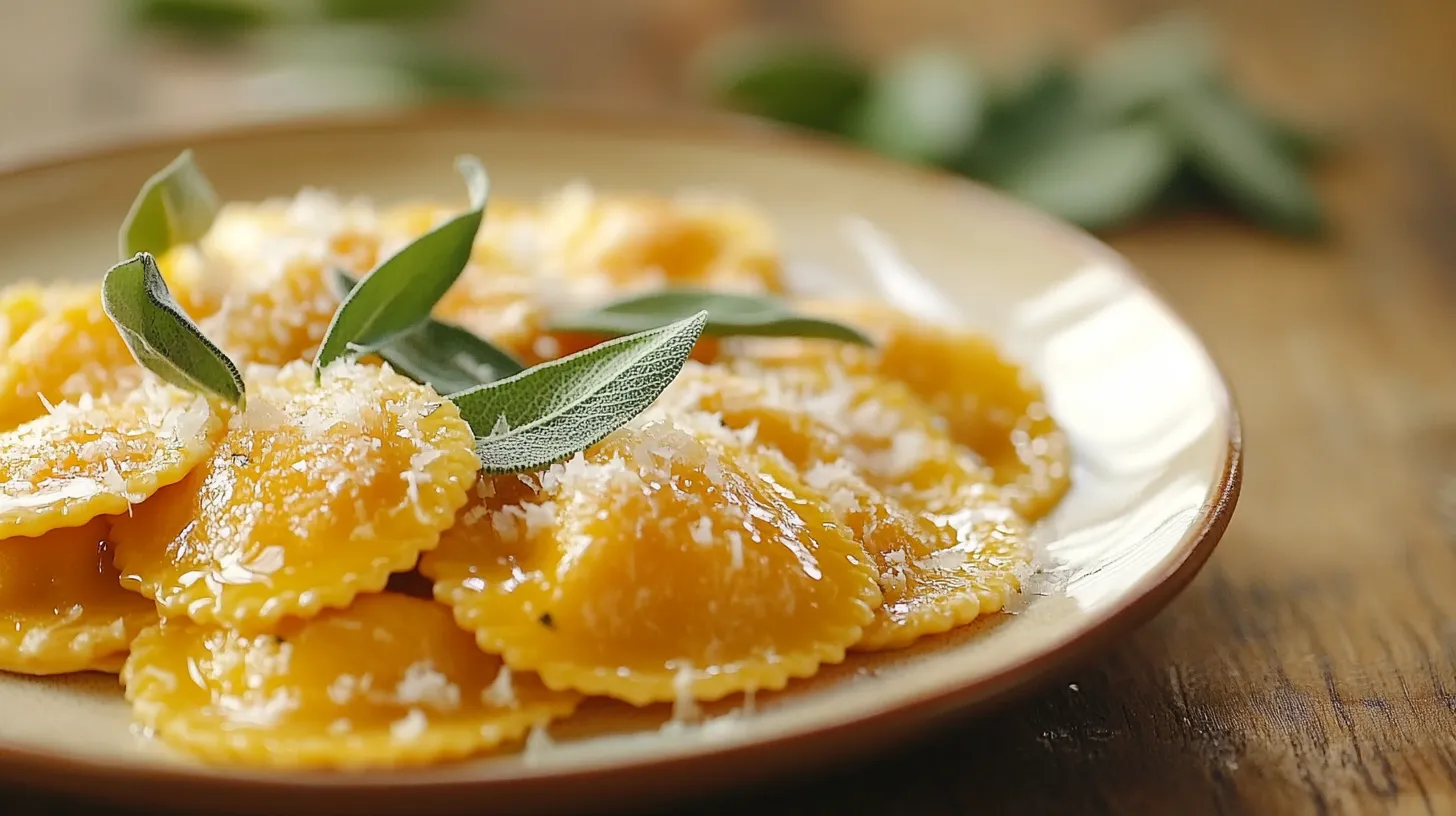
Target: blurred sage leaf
column 390, row 11
column 1159, row 59
column 924, row 106
column 728, row 314
column 800, row 84
column 1027, row 114
column 177, row 205
column 556, row 409
column 444, row 75
column 1235, row 152
column 1301, row 143
column 208, row 20
column 398, row 295
column 446, row 357
column 1101, row 178
column 161, row 336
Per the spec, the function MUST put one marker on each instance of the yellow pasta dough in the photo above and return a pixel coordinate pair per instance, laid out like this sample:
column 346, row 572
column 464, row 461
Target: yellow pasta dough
column 984, row 400
column 276, row 319
column 946, row 548
column 661, row 565
column 61, row 607
column 20, row 305
column 100, row 457
column 390, row 681
column 317, row 492
column 70, row 350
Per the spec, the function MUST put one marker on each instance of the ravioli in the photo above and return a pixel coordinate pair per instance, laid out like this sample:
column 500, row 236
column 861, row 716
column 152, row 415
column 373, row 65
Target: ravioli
column 69, row 350
column 61, row 607
column 664, row 564
column 986, row 402
column 317, row 492
column 391, row 681
column 100, row 456
column 946, row 548
column 278, row 319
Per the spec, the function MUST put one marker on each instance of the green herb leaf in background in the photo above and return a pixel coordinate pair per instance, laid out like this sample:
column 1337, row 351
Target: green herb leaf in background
column 1234, row 152
column 727, row 314
column 400, row 293
column 440, row 74
column 554, row 410
column 389, row 11
column 1101, row 178
column 441, row 355
column 176, row 206
column 1160, row 59
column 1026, row 115
column 212, row 21
column 795, row 83
column 162, row 338
column 924, row 106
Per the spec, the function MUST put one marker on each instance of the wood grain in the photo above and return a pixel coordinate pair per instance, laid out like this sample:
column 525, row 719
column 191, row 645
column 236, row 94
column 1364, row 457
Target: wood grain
column 1312, row 667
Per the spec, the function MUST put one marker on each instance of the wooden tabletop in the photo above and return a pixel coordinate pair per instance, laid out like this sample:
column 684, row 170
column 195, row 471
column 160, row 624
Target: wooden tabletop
column 1311, row 668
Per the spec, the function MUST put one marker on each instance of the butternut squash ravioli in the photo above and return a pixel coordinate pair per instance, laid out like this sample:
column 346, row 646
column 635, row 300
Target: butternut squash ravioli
column 786, row 502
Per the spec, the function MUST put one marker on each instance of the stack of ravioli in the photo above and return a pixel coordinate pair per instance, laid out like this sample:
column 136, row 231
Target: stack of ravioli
column 245, row 570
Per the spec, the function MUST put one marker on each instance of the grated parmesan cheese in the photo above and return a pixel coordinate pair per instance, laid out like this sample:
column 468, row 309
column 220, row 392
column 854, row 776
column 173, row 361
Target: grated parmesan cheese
column 410, row 728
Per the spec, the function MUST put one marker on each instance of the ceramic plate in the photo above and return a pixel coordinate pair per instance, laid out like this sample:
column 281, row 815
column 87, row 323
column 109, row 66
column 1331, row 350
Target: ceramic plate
column 1155, row 433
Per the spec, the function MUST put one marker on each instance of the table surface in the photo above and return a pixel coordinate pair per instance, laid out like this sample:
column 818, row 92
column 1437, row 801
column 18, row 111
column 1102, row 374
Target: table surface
column 1311, row 668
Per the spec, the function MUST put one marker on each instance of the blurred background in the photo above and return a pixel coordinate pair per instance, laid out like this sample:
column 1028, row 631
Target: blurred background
column 1106, row 113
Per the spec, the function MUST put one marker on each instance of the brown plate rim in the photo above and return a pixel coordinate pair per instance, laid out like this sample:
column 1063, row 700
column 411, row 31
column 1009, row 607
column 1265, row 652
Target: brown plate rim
column 1151, row 593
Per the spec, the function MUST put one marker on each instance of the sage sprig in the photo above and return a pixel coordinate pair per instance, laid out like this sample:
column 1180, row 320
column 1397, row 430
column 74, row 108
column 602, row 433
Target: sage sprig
column 556, row 409
column 444, row 356
column 728, row 314
column 175, row 206
column 161, row 336
column 398, row 295
column 1146, row 122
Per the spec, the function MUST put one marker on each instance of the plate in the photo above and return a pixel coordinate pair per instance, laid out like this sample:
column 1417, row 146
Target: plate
column 1154, row 429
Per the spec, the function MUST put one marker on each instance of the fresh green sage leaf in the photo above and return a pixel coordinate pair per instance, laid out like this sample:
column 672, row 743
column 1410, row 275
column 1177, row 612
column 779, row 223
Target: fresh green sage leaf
column 441, row 355
column 553, row 410
column 448, row 358
column 925, row 106
column 1099, row 179
column 161, row 336
column 1157, row 60
column 400, row 293
column 1236, row 154
column 728, row 314
column 796, row 83
column 175, row 206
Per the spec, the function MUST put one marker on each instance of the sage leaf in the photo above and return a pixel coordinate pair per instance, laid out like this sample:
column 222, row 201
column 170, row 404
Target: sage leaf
column 554, row 410
column 175, row 206
column 799, row 84
column 213, row 21
column 1024, row 116
column 728, row 314
column 1098, row 179
column 442, row 355
column 925, row 106
column 161, row 336
column 1235, row 152
column 399, row 293
column 1157, row 60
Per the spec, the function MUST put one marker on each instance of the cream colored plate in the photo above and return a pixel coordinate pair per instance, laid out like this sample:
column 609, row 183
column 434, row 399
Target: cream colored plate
column 1155, row 434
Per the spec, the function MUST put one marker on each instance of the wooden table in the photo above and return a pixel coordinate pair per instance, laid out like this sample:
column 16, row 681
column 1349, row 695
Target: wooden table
column 1311, row 668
